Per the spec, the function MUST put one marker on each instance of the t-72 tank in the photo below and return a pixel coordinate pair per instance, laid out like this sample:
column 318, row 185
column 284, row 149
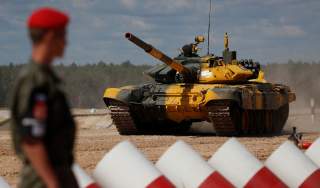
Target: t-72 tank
column 231, row 94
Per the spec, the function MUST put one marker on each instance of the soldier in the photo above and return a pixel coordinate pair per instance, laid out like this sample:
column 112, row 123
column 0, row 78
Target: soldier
column 43, row 129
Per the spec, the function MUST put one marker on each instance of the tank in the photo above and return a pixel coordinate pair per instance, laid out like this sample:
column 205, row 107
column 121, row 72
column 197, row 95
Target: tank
column 230, row 94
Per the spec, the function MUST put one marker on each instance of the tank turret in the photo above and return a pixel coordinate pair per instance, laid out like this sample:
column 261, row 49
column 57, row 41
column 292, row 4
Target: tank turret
column 189, row 67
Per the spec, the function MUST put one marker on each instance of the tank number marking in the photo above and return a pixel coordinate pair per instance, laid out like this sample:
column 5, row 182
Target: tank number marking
column 206, row 73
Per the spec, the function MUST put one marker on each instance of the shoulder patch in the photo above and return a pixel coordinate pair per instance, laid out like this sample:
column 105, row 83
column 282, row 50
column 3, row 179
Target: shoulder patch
column 40, row 109
column 36, row 128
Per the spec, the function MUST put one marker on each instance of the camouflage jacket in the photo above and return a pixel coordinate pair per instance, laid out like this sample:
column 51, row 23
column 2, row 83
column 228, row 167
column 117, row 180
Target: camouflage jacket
column 39, row 110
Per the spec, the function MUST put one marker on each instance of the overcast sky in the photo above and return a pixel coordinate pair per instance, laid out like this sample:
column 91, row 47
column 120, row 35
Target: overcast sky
column 264, row 30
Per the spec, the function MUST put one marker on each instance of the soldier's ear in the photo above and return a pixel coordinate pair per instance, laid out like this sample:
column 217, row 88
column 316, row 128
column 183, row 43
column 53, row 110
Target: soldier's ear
column 49, row 37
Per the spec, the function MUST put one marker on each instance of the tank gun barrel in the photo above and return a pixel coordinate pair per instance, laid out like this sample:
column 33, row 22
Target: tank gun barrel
column 156, row 53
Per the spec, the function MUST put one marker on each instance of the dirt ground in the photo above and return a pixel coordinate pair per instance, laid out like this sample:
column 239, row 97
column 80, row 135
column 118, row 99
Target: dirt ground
column 97, row 135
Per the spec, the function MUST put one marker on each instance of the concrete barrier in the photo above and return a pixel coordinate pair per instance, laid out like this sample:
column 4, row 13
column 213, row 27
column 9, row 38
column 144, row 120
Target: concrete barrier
column 83, row 179
column 293, row 167
column 314, row 152
column 185, row 168
column 241, row 168
column 124, row 166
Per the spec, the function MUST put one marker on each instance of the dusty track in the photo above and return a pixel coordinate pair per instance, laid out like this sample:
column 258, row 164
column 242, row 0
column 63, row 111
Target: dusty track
column 97, row 135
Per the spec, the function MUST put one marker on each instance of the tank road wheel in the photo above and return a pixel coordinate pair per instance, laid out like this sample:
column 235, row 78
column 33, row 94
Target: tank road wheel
column 122, row 119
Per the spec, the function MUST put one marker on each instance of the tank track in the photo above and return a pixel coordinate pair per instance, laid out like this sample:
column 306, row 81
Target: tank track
column 228, row 119
column 122, row 119
column 220, row 115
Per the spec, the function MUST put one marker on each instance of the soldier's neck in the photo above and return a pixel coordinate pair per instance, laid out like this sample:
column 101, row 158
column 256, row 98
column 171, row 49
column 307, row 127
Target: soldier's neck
column 40, row 55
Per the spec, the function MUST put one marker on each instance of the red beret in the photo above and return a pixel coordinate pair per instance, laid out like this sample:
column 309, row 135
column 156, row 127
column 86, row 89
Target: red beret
column 47, row 18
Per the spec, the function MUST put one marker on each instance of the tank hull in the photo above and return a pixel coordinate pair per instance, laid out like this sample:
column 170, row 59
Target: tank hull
column 233, row 109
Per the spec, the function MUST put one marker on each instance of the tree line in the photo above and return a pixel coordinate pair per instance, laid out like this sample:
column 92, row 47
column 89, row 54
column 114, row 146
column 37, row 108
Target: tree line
column 85, row 84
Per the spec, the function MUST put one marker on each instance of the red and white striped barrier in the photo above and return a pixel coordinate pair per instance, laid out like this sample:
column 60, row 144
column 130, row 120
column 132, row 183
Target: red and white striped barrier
column 3, row 183
column 124, row 166
column 293, row 167
column 185, row 168
column 241, row 168
column 83, row 179
column 314, row 152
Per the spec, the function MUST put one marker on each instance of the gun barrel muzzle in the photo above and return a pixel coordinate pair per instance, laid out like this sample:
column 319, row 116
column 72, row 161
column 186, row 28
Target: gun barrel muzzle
column 147, row 47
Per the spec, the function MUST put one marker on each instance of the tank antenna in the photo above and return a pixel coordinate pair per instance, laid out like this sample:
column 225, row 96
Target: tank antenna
column 209, row 27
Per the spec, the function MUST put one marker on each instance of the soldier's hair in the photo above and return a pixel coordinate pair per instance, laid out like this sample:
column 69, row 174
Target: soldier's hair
column 36, row 35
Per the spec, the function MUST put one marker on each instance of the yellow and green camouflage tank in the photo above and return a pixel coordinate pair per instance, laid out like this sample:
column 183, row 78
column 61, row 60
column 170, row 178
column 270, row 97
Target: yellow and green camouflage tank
column 229, row 93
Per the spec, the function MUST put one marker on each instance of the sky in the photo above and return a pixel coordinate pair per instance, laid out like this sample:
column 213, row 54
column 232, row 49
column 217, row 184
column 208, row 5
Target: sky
column 263, row 30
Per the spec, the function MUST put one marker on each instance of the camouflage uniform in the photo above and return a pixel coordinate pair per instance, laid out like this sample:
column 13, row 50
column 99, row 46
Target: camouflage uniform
column 38, row 85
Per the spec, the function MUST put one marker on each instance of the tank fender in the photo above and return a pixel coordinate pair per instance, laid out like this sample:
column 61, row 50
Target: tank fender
column 118, row 94
column 214, row 94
